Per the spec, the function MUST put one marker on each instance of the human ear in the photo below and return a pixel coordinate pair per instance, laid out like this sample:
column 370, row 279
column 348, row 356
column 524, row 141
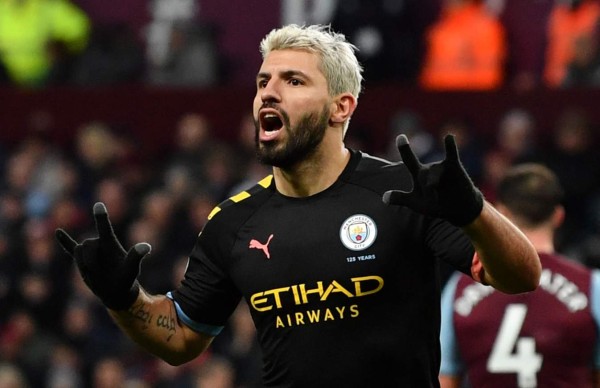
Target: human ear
column 343, row 107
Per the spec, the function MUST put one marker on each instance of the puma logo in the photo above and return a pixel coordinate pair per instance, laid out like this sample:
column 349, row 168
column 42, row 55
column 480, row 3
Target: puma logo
column 264, row 247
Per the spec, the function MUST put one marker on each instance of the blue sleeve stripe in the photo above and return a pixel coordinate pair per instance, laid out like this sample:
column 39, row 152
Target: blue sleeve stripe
column 451, row 362
column 199, row 327
column 595, row 307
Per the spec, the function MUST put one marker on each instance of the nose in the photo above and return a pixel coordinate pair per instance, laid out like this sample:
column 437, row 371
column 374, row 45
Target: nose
column 270, row 92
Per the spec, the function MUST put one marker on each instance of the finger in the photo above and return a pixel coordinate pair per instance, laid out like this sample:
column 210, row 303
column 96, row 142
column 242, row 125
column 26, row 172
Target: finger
column 103, row 226
column 135, row 256
column 408, row 157
column 451, row 148
column 65, row 241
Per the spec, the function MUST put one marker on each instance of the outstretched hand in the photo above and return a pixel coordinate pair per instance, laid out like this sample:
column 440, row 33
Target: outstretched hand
column 107, row 269
column 442, row 189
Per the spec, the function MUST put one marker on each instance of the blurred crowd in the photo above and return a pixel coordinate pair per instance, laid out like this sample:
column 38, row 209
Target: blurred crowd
column 433, row 44
column 55, row 334
column 569, row 149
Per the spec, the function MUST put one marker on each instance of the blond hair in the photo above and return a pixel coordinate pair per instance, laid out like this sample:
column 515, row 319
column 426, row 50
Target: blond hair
column 338, row 62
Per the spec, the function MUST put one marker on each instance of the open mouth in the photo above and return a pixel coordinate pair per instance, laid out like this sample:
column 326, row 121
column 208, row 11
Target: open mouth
column 271, row 124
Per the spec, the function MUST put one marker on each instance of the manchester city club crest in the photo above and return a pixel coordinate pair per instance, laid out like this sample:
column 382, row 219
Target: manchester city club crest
column 358, row 232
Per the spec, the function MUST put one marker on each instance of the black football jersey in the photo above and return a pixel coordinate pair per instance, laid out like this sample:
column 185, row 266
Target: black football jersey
column 344, row 290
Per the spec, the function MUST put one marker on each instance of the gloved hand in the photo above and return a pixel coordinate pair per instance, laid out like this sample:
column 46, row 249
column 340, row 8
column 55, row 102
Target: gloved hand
column 442, row 189
column 105, row 267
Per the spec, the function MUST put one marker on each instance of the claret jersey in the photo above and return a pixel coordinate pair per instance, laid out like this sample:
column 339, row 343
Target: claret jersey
column 545, row 338
column 343, row 289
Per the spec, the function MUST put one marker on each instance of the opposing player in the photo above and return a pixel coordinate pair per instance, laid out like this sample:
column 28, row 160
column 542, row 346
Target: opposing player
column 336, row 252
column 546, row 338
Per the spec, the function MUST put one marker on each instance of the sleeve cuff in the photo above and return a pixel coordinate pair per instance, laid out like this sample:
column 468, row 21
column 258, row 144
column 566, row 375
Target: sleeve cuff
column 196, row 326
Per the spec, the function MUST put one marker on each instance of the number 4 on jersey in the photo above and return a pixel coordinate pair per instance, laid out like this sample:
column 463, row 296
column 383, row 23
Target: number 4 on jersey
column 523, row 361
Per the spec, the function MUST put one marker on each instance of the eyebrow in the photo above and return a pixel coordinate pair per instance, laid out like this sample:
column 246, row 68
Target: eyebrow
column 284, row 74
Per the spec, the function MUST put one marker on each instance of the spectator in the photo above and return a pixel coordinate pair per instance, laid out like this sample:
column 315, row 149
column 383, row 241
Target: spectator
column 113, row 56
column 240, row 346
column 41, row 174
column 587, row 250
column 65, row 368
column 584, row 68
column 471, row 150
column 195, row 215
column 11, row 377
column 546, row 338
column 112, row 190
column 573, row 157
column 192, row 59
column 220, row 171
column 158, row 224
column 423, row 143
column 569, row 22
column 251, row 170
column 388, row 35
column 494, row 165
column 167, row 376
column 12, row 221
column 67, row 210
column 97, row 156
column 526, row 31
column 192, row 143
column 207, row 163
column 516, row 136
column 90, row 335
column 109, row 373
column 48, row 23
column 24, row 342
column 514, row 142
column 216, row 372
column 466, row 49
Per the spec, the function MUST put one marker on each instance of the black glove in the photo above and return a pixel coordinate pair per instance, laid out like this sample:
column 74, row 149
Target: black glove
column 105, row 267
column 442, row 189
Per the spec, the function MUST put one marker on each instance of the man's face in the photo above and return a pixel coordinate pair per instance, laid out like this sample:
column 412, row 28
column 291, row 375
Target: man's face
column 291, row 107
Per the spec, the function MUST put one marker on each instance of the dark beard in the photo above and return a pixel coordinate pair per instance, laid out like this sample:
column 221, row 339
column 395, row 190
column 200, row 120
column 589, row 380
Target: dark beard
column 301, row 144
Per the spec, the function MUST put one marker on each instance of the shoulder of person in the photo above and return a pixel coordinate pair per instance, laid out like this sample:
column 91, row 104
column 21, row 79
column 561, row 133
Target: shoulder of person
column 380, row 174
column 239, row 205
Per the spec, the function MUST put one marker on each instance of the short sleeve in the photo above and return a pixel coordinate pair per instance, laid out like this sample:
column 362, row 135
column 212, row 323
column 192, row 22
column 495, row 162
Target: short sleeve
column 207, row 296
column 595, row 307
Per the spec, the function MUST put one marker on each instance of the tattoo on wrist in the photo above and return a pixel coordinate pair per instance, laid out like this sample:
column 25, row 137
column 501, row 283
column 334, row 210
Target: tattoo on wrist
column 167, row 322
column 141, row 313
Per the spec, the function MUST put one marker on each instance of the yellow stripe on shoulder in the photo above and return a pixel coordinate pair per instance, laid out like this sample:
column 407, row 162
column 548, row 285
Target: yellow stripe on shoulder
column 265, row 183
column 240, row 196
column 214, row 211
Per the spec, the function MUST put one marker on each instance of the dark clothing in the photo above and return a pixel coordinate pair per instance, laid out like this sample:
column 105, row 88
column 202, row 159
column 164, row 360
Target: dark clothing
column 583, row 75
column 388, row 34
column 343, row 289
